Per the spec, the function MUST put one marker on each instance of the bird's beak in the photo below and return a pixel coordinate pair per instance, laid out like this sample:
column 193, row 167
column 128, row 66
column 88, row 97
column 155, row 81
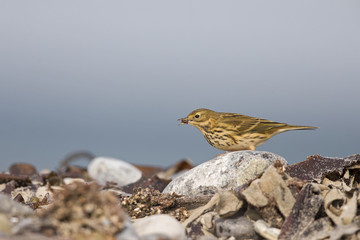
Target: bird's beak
column 183, row 121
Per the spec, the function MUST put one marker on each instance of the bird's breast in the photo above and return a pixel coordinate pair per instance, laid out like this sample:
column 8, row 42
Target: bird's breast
column 228, row 142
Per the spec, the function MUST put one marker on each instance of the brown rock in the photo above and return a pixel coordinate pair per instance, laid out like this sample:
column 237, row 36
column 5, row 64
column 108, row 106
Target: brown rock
column 19, row 181
column 303, row 213
column 22, row 169
column 317, row 167
column 151, row 182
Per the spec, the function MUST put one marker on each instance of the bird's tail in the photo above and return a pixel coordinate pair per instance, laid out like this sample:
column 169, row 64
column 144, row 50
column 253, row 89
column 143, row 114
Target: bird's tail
column 295, row 127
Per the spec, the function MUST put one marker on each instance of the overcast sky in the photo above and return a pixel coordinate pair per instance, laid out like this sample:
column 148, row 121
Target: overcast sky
column 112, row 77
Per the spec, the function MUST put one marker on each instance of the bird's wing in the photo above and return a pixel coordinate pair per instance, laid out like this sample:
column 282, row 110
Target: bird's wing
column 242, row 123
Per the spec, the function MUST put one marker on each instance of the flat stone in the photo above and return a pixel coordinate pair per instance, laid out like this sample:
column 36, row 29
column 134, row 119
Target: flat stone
column 161, row 225
column 104, row 170
column 273, row 185
column 254, row 195
column 228, row 204
column 240, row 228
column 225, row 172
column 270, row 190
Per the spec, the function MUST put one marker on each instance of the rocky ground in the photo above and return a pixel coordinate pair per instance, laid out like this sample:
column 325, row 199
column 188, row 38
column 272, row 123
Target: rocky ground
column 238, row 195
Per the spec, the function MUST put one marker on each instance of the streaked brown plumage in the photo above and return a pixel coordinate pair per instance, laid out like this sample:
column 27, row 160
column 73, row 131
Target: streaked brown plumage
column 232, row 131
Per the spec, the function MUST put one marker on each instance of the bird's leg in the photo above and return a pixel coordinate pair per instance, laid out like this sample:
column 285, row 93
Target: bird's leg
column 226, row 152
column 252, row 148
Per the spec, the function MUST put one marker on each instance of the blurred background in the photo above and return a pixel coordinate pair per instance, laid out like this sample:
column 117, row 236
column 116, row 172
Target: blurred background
column 112, row 77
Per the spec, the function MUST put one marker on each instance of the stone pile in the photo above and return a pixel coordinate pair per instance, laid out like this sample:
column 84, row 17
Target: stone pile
column 238, row 195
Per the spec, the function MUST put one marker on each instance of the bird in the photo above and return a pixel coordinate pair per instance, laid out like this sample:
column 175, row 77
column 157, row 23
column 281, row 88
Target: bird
column 235, row 132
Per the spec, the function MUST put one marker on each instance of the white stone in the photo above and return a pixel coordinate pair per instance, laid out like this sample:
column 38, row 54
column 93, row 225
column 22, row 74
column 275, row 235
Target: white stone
column 11, row 208
column 224, row 172
column 73, row 180
column 128, row 233
column 263, row 228
column 160, row 225
column 103, row 169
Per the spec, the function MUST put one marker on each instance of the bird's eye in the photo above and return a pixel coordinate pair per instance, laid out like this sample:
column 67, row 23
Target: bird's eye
column 197, row 116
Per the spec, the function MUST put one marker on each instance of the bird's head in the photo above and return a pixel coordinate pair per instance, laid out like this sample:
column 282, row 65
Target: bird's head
column 197, row 118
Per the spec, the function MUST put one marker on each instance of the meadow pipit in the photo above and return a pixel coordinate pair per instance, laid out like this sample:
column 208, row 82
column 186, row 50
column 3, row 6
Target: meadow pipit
column 232, row 131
